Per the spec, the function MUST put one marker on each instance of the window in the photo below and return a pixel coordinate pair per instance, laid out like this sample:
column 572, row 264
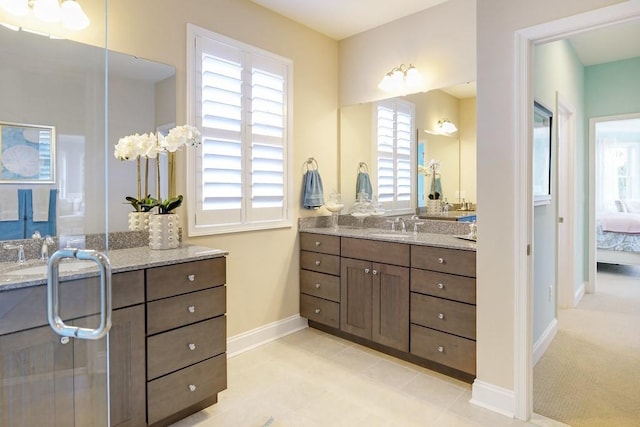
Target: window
column 395, row 158
column 240, row 97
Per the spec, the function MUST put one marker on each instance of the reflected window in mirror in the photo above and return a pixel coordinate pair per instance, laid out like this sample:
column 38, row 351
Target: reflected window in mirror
column 395, row 148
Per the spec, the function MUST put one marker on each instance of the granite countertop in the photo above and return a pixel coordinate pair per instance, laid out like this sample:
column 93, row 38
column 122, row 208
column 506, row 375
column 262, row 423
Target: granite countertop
column 421, row 238
column 121, row 260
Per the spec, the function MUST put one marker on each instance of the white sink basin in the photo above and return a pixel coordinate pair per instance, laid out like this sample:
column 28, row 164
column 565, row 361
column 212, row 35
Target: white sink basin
column 41, row 270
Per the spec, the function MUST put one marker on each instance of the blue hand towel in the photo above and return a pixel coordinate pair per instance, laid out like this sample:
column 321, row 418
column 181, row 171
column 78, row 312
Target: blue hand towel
column 363, row 184
column 313, row 193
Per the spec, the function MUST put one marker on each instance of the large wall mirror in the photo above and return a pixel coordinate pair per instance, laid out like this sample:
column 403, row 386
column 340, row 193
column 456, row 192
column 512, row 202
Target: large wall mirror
column 61, row 84
column 455, row 152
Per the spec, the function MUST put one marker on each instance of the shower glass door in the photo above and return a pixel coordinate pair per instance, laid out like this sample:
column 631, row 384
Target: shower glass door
column 54, row 340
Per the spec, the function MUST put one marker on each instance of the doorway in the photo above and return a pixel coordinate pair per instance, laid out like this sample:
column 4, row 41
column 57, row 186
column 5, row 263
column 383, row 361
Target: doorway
column 524, row 104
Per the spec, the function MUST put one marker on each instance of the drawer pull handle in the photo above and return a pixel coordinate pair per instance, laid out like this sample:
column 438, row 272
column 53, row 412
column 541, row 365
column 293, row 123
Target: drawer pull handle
column 440, row 285
column 191, row 277
column 317, row 285
column 366, row 271
column 441, row 316
column 441, row 349
column 192, row 387
column 318, row 262
column 64, row 340
column 374, row 272
column 318, row 243
column 440, row 260
column 192, row 309
column 192, row 346
column 317, row 310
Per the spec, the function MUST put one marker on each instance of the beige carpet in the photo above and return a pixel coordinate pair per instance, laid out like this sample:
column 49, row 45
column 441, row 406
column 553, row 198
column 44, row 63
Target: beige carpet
column 590, row 375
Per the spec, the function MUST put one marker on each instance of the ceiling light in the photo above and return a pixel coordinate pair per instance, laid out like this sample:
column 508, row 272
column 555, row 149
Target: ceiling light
column 70, row 13
column 401, row 79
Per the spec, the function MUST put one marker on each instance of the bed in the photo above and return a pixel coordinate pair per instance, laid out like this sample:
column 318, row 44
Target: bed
column 618, row 235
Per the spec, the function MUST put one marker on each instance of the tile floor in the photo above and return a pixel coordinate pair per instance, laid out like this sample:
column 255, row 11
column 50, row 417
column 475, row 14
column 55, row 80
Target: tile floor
column 310, row 378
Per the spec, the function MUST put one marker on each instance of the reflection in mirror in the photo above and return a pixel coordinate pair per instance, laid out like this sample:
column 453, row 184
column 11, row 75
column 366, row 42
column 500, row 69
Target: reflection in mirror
column 456, row 152
column 61, row 83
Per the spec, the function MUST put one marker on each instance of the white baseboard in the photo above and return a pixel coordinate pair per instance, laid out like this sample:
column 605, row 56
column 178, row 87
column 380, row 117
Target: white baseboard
column 494, row 398
column 541, row 345
column 256, row 337
column 579, row 293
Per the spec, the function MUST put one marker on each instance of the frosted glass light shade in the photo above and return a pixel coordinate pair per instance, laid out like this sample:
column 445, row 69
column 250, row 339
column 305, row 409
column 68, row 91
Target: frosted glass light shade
column 447, row 127
column 15, row 7
column 413, row 77
column 73, row 17
column 47, row 10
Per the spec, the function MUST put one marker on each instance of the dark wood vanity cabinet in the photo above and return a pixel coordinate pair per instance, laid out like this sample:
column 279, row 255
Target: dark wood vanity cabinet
column 167, row 350
column 416, row 302
column 186, row 338
column 42, row 375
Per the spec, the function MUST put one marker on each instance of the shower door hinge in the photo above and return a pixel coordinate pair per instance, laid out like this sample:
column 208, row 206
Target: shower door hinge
column 529, row 249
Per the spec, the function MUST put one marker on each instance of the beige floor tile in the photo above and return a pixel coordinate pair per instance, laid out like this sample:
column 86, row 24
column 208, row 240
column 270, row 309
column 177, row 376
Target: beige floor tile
column 435, row 390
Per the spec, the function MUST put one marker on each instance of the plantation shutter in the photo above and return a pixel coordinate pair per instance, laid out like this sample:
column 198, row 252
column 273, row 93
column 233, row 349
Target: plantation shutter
column 242, row 162
column 395, row 147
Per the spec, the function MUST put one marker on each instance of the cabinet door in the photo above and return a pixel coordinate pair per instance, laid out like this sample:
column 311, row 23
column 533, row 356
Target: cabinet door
column 126, row 374
column 391, row 306
column 36, row 379
column 355, row 297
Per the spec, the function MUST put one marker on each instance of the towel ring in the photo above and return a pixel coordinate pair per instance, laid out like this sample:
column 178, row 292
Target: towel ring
column 362, row 167
column 311, row 164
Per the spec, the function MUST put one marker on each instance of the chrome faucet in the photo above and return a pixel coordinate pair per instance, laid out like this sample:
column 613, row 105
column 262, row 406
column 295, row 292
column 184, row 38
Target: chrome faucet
column 403, row 228
column 20, row 248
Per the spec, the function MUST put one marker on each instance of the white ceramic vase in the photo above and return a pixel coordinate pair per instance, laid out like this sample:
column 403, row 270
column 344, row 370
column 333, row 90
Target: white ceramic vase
column 138, row 221
column 433, row 207
column 163, row 231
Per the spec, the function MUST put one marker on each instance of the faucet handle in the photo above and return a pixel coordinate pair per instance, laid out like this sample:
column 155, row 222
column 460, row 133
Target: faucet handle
column 415, row 226
column 36, row 235
column 393, row 224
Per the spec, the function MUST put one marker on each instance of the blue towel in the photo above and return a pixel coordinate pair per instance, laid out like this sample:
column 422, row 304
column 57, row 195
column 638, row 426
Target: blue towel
column 363, row 185
column 44, row 227
column 313, row 196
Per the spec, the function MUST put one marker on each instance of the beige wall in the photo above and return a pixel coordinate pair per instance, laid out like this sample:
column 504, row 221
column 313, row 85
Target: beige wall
column 262, row 270
column 439, row 41
column 467, row 132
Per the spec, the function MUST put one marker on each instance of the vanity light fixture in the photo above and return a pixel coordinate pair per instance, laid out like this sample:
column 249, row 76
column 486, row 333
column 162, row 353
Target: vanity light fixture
column 69, row 12
column 400, row 79
column 443, row 127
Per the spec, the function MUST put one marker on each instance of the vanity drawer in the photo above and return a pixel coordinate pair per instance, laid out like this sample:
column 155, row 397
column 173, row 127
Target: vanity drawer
column 320, row 310
column 320, row 285
column 181, row 347
column 444, row 315
column 376, row 251
column 445, row 260
column 322, row 263
column 172, row 393
column 170, row 313
column 449, row 350
column 320, row 243
column 176, row 279
column 458, row 288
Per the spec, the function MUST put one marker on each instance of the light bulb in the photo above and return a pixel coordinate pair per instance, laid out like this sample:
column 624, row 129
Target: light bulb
column 47, row 10
column 73, row 17
column 15, row 7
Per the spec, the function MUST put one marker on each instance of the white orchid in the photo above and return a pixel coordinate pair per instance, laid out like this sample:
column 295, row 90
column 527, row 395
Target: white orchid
column 178, row 137
column 127, row 148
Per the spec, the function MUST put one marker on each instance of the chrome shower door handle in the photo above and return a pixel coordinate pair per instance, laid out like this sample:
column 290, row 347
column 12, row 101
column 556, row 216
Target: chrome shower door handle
column 53, row 294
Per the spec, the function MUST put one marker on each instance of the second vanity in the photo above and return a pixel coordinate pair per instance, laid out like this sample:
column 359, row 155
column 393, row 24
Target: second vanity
column 409, row 295
column 167, row 341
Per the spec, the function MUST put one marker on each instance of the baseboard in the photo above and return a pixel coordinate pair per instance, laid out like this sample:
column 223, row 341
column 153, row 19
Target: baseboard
column 579, row 293
column 494, row 398
column 256, row 337
column 541, row 345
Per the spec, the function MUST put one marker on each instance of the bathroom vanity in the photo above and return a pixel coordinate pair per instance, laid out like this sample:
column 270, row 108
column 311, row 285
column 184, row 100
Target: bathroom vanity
column 167, row 340
column 409, row 295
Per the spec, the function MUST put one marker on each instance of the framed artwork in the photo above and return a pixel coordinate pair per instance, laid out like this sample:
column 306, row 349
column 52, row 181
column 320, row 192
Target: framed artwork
column 27, row 154
column 542, row 131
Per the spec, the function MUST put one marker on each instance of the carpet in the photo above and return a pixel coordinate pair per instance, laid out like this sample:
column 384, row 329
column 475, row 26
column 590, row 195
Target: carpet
column 590, row 374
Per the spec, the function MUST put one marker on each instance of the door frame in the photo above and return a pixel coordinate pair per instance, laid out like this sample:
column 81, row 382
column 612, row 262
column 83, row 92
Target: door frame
column 525, row 40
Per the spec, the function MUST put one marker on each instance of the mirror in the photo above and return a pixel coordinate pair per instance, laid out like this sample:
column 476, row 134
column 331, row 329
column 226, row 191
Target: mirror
column 60, row 83
column 456, row 153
